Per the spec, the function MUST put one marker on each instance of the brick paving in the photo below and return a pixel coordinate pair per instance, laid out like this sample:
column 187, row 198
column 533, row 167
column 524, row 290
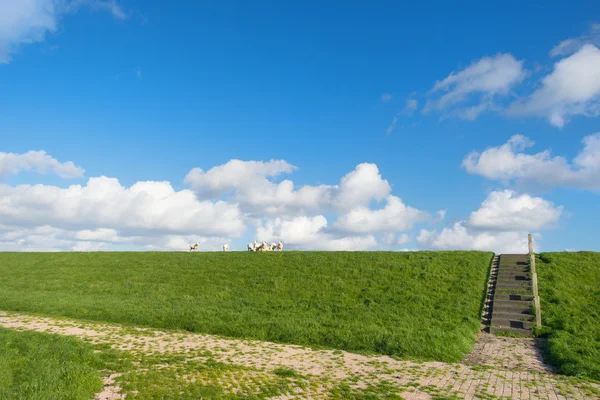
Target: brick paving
column 498, row 367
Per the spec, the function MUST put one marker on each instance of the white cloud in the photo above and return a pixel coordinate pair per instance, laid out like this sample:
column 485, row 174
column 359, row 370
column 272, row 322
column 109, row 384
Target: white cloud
column 145, row 207
column 392, row 126
column 39, row 162
column 393, row 217
column 442, row 214
column 310, row 233
column 102, row 235
column 403, row 239
column 459, row 237
column 386, row 97
column 236, row 174
column 501, row 224
column 411, row 106
column 105, row 215
column 508, row 163
column 508, row 211
column 249, row 185
column 570, row 46
column 28, row 21
column 481, row 81
column 573, row 88
column 47, row 238
column 110, row 6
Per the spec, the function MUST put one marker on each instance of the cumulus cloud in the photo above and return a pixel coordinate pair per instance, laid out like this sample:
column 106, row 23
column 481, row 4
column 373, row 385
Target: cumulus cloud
column 104, row 203
column 235, row 174
column 571, row 45
column 441, row 214
column 395, row 216
column 103, row 214
column 47, row 238
column 37, row 161
column 28, row 21
column 508, row 163
column 508, row 211
column 501, row 224
column 572, row 88
column 310, row 233
column 403, row 238
column 481, row 82
column 459, row 237
column 249, row 184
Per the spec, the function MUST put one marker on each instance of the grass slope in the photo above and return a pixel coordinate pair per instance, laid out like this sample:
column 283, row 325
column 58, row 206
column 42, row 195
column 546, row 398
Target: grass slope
column 415, row 305
column 41, row 366
column 569, row 285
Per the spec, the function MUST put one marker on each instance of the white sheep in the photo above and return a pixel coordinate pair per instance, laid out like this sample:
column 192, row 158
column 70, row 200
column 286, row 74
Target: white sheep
column 225, row 247
column 195, row 246
column 251, row 247
column 280, row 246
column 273, row 246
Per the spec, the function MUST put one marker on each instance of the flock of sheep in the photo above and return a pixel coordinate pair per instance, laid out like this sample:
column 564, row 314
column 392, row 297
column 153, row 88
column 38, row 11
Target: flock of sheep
column 251, row 246
column 264, row 247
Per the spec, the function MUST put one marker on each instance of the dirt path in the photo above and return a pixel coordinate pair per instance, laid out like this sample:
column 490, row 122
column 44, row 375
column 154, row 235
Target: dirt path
column 500, row 367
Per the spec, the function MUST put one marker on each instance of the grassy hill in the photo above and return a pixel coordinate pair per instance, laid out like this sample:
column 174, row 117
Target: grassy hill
column 569, row 285
column 413, row 305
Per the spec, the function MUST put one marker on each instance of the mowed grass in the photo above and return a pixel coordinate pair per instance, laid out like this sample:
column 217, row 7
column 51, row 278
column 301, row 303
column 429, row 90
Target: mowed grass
column 412, row 305
column 569, row 285
column 42, row 366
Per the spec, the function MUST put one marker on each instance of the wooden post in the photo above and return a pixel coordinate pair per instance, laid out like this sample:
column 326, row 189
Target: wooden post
column 530, row 242
column 534, row 282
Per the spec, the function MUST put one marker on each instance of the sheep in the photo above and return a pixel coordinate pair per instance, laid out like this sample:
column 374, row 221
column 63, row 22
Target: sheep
column 195, row 246
column 262, row 247
column 251, row 247
column 272, row 247
column 225, row 247
column 280, row 246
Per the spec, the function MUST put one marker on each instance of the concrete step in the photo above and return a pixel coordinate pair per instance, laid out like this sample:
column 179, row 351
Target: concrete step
column 501, row 316
column 513, row 297
column 513, row 266
column 517, row 277
column 513, row 303
column 511, row 322
column 521, row 332
column 513, row 292
column 504, row 272
column 513, row 284
column 497, row 308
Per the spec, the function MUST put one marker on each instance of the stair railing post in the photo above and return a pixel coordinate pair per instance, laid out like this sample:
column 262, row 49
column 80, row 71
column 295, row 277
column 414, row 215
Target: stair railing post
column 534, row 282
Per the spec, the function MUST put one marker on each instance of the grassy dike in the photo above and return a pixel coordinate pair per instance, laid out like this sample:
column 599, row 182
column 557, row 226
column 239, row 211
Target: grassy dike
column 412, row 305
column 569, row 287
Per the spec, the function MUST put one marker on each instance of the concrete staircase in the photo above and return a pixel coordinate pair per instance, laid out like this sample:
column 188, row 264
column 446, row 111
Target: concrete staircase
column 512, row 303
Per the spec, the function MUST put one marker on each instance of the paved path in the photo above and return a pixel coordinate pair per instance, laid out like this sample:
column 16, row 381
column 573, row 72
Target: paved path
column 498, row 368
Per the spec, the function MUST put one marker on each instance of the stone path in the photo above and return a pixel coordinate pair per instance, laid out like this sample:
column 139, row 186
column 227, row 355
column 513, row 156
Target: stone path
column 498, row 368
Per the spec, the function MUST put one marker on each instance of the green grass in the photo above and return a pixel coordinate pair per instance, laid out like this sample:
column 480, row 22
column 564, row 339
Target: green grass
column 569, row 286
column 42, row 366
column 412, row 305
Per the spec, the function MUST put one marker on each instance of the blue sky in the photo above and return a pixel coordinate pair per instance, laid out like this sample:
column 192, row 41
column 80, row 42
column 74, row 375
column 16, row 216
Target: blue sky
column 370, row 107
